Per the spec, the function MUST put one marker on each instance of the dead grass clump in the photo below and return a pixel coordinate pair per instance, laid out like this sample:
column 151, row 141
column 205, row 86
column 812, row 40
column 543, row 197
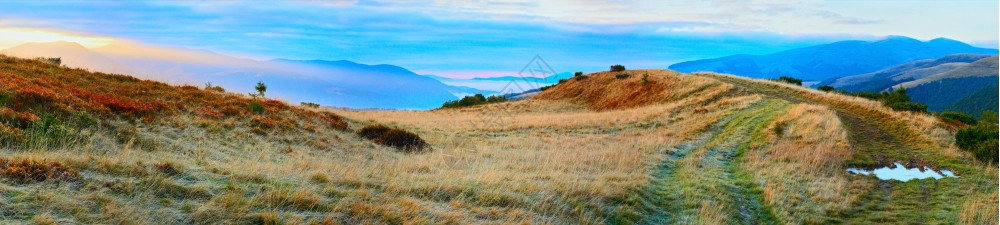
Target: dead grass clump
column 29, row 171
column 167, row 168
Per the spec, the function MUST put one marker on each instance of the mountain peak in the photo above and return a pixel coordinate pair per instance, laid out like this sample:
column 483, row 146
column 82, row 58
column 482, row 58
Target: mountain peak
column 898, row 38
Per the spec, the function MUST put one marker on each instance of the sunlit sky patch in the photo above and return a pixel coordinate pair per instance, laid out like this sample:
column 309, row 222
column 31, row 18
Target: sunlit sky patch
column 486, row 38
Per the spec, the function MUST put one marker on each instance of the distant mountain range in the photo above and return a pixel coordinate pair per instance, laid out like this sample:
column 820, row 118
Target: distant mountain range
column 837, row 59
column 962, row 82
column 330, row 83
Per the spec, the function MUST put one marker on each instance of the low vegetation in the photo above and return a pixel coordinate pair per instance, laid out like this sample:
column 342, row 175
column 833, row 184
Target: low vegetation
column 895, row 99
column 790, row 80
column 472, row 100
column 957, row 117
column 981, row 139
column 393, row 137
column 617, row 68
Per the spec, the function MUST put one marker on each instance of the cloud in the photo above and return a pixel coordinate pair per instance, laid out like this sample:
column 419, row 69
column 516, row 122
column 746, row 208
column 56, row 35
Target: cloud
column 499, row 35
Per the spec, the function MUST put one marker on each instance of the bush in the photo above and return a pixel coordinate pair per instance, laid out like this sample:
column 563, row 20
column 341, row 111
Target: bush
column 581, row 78
column 645, row 79
column 957, row 116
column 621, row 76
column 790, row 80
column 309, row 105
column 980, row 140
column 825, row 88
column 372, row 132
column 403, row 140
column 617, row 68
column 28, row 171
column 577, row 74
column 896, row 99
column 393, row 137
column 256, row 107
column 908, row 106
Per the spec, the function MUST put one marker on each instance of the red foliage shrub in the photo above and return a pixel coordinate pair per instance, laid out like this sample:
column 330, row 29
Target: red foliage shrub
column 27, row 171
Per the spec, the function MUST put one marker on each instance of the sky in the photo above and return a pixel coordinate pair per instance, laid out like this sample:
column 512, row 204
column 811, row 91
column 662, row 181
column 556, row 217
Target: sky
column 493, row 38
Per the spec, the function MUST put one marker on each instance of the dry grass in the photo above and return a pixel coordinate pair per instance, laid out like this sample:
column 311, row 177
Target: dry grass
column 568, row 157
column 802, row 169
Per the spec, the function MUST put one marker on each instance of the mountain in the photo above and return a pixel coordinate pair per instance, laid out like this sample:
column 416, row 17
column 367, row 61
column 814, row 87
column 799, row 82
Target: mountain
column 976, row 103
column 72, row 54
column 837, row 59
column 939, row 83
column 329, row 83
column 885, row 78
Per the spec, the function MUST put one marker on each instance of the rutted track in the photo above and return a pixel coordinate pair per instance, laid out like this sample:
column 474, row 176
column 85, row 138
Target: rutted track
column 700, row 181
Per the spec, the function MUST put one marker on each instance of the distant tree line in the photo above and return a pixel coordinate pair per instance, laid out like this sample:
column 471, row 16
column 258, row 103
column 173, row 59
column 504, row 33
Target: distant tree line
column 472, row 100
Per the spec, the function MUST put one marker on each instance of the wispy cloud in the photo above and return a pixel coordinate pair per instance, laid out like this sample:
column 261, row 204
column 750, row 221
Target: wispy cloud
column 501, row 35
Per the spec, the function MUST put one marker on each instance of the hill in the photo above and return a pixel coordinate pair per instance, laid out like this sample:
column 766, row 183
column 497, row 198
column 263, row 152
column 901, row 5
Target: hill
column 978, row 102
column 653, row 147
column 827, row 61
column 333, row 83
column 937, row 83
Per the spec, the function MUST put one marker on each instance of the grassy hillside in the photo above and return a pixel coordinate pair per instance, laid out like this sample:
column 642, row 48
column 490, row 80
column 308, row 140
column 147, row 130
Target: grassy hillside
column 978, row 102
column 940, row 94
column 654, row 147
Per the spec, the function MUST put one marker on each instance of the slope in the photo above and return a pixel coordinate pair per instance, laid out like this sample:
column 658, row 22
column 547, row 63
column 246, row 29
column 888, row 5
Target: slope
column 685, row 148
column 323, row 82
column 976, row 103
column 882, row 79
column 832, row 60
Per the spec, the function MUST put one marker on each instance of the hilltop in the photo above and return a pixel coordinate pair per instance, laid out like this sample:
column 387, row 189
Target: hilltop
column 342, row 83
column 821, row 62
column 636, row 146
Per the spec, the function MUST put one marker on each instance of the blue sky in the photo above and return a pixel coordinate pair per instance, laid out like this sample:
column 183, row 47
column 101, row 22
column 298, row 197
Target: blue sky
column 483, row 38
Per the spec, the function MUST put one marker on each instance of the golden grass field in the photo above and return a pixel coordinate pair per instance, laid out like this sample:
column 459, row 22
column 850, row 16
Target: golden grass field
column 692, row 149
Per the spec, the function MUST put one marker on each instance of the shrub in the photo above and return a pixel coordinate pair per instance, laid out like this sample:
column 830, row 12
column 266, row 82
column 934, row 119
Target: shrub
column 825, row 88
column 309, row 104
column 980, row 140
column 28, row 171
column 957, row 116
column 908, row 106
column 547, row 87
column 790, row 80
column 256, row 107
column 372, row 132
column 403, row 140
column 393, row 137
column 617, row 68
column 621, row 76
column 581, row 78
column 645, row 79
column 896, row 99
column 333, row 120
column 577, row 74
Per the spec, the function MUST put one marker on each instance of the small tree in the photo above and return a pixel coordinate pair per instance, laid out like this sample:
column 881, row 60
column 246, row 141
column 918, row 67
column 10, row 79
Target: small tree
column 825, row 88
column 645, row 79
column 577, row 74
column 261, row 88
